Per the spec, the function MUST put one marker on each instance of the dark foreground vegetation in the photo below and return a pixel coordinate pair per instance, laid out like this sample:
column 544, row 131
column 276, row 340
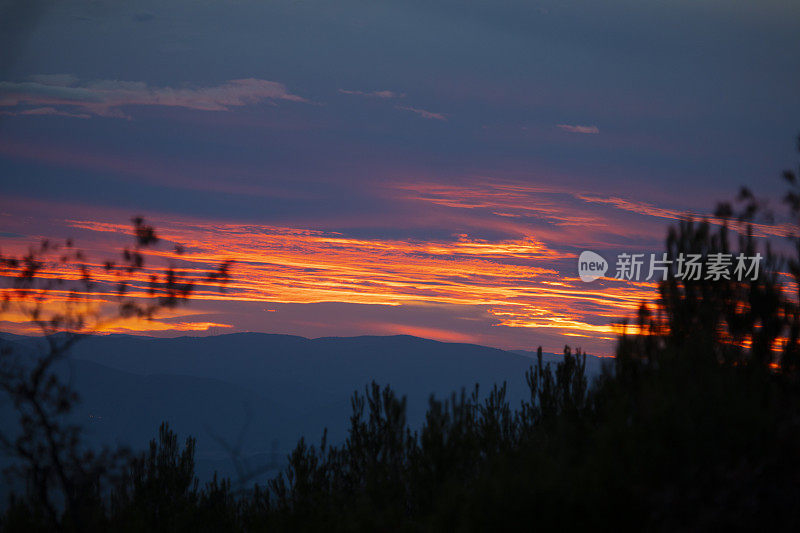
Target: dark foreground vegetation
column 694, row 426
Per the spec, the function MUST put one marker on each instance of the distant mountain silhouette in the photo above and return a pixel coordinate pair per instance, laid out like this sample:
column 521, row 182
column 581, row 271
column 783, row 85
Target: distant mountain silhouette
column 284, row 386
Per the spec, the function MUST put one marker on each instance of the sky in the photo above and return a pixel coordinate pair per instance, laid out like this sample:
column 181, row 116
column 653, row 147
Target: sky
column 431, row 168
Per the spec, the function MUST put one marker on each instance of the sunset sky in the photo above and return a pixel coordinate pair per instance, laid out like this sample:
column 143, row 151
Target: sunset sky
column 392, row 167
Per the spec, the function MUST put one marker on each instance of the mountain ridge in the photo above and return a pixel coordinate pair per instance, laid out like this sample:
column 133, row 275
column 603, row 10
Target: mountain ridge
column 282, row 387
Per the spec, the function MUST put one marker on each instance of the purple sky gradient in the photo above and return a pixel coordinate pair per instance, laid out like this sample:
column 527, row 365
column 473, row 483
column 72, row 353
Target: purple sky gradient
column 418, row 130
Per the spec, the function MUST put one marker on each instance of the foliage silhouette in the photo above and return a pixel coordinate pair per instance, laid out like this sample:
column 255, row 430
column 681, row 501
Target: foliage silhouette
column 56, row 288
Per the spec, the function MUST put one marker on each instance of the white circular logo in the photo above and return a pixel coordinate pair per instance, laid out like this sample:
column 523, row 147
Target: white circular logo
column 591, row 266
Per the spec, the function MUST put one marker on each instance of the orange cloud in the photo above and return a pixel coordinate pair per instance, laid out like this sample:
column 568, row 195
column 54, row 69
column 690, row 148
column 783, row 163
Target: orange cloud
column 524, row 279
column 151, row 326
column 292, row 265
column 427, row 333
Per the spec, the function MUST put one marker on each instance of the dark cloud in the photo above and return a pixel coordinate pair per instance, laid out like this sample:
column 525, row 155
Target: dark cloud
column 18, row 19
column 143, row 16
column 106, row 97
